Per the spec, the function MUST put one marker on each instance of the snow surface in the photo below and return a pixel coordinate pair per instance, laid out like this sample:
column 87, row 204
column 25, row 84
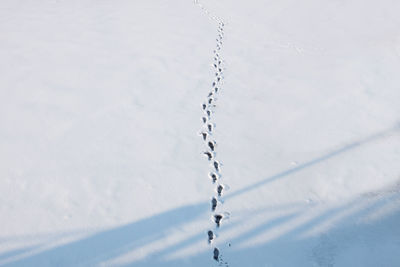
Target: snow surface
column 100, row 108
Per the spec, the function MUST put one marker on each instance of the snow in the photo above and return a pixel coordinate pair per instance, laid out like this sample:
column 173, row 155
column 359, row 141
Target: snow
column 100, row 111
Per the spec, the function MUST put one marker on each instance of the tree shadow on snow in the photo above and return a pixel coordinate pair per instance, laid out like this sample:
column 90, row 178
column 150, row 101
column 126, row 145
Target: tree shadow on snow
column 362, row 232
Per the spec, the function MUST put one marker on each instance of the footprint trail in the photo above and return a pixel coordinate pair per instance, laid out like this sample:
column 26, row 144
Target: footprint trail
column 218, row 215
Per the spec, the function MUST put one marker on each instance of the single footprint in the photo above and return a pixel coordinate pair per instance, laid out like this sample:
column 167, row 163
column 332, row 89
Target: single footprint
column 204, row 106
column 220, row 188
column 211, row 145
column 204, row 119
column 204, row 135
column 208, row 154
column 213, row 204
column 210, row 100
column 210, row 94
column 216, row 89
column 216, row 166
column 208, row 113
column 213, row 177
column 210, row 236
column 218, row 218
column 216, row 254
column 209, row 127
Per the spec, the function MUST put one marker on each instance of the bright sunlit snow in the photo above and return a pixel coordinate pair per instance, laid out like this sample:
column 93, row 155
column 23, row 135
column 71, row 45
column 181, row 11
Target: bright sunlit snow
column 101, row 119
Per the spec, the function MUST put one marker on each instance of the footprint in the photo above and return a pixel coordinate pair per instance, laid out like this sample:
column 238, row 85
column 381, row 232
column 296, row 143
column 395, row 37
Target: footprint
column 213, row 204
column 209, row 155
column 220, row 188
column 210, row 94
column 204, row 135
column 216, row 89
column 216, row 254
column 211, row 145
column 204, row 106
column 216, row 166
column 208, row 113
column 210, row 236
column 210, row 100
column 209, row 126
column 213, row 177
column 204, row 119
column 217, row 219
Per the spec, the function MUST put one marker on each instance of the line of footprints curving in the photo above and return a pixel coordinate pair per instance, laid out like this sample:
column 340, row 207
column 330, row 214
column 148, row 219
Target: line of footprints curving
column 208, row 127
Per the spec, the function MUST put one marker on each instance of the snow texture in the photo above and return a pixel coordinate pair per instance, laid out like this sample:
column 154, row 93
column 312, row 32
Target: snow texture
column 102, row 158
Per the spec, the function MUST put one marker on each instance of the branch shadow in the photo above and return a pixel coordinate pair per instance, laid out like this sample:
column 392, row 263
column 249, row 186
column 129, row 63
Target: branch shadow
column 330, row 155
column 347, row 240
column 109, row 244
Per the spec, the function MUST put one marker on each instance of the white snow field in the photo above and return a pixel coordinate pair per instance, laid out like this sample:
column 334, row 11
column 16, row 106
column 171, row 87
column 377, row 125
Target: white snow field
column 101, row 162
